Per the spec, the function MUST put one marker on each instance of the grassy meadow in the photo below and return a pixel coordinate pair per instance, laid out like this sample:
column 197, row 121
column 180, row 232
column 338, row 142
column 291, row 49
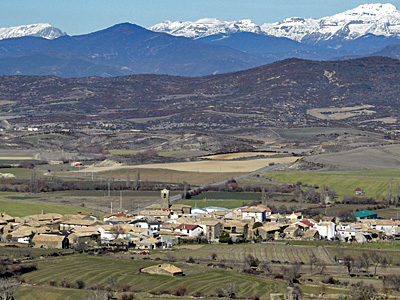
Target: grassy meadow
column 374, row 183
column 21, row 208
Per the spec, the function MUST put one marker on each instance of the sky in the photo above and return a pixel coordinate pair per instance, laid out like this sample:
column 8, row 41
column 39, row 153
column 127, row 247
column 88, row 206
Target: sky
column 84, row 16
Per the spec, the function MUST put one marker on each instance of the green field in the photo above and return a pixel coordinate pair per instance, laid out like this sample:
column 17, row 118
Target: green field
column 96, row 270
column 49, row 293
column 18, row 172
column 21, row 209
column 374, row 183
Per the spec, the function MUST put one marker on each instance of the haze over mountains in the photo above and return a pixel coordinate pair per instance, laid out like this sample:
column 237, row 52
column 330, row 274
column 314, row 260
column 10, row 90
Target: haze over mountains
column 207, row 46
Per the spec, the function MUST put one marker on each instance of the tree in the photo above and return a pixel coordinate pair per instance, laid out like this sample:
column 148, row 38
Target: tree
column 136, row 184
column 349, row 263
column 8, row 286
column 378, row 260
column 128, row 180
column 251, row 261
column 296, row 293
column 396, row 198
column 323, row 194
column 116, row 231
column 97, row 293
column 316, row 265
column 214, row 256
column 232, row 289
column 389, row 192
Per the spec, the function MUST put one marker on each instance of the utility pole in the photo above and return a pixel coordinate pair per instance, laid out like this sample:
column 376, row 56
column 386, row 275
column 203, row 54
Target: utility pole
column 120, row 201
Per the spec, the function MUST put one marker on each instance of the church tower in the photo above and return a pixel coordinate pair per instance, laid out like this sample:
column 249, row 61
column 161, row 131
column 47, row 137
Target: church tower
column 164, row 199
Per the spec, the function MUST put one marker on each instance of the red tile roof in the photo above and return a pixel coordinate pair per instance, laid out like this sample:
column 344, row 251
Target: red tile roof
column 306, row 222
column 187, row 226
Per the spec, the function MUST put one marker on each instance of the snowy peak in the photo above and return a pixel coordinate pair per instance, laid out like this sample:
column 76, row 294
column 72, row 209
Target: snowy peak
column 43, row 30
column 376, row 19
column 205, row 27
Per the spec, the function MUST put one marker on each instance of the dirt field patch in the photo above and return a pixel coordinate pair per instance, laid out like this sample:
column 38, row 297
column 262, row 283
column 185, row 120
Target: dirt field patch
column 209, row 166
column 171, row 176
column 238, row 155
column 15, row 157
column 334, row 113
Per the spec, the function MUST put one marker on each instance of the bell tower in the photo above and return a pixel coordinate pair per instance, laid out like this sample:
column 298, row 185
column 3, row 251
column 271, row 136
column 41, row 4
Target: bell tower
column 164, row 199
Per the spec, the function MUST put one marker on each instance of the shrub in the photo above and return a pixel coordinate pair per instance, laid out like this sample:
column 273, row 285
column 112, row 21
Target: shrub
column 181, row 290
column 80, row 284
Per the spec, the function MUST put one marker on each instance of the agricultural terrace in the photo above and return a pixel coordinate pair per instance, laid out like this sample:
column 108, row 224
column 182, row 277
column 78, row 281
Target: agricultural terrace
column 374, row 183
column 96, row 270
column 263, row 252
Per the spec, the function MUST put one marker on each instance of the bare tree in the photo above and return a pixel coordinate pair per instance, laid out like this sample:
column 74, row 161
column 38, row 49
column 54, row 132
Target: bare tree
column 232, row 289
column 316, row 265
column 116, row 231
column 136, row 184
column 389, row 192
column 378, row 260
column 349, row 263
column 96, row 293
column 8, row 286
column 396, row 198
column 128, row 180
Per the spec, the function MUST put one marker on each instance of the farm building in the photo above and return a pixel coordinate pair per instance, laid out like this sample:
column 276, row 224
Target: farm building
column 163, row 269
column 50, row 241
column 365, row 214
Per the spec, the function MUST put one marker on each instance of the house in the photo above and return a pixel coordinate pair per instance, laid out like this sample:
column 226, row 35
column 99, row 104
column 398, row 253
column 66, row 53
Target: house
column 359, row 192
column 72, row 223
column 50, row 241
column 115, row 216
column 365, row 214
column 211, row 229
column 145, row 224
column 258, row 214
column 235, row 226
column 148, row 243
column 163, row 269
column 181, row 209
column 190, row 230
column 85, row 235
column 389, row 227
column 311, row 235
column 266, row 232
column 326, row 230
column 293, row 232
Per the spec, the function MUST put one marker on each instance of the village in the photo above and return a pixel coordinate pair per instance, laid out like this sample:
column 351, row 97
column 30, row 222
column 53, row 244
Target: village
column 163, row 225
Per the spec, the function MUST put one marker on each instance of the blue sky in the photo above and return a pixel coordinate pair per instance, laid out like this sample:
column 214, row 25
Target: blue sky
column 84, row 16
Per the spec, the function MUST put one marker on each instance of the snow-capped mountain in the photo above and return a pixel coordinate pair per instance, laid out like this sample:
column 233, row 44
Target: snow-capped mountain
column 333, row 31
column 205, row 27
column 375, row 19
column 43, row 30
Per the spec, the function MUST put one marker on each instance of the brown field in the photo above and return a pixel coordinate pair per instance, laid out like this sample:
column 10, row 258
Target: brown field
column 334, row 113
column 163, row 175
column 363, row 158
column 228, row 156
column 208, row 166
column 15, row 157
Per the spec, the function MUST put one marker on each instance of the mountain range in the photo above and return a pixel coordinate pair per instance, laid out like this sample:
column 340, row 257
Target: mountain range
column 360, row 93
column 207, row 46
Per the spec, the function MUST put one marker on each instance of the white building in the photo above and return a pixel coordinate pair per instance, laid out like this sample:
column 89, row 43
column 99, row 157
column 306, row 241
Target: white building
column 326, row 230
